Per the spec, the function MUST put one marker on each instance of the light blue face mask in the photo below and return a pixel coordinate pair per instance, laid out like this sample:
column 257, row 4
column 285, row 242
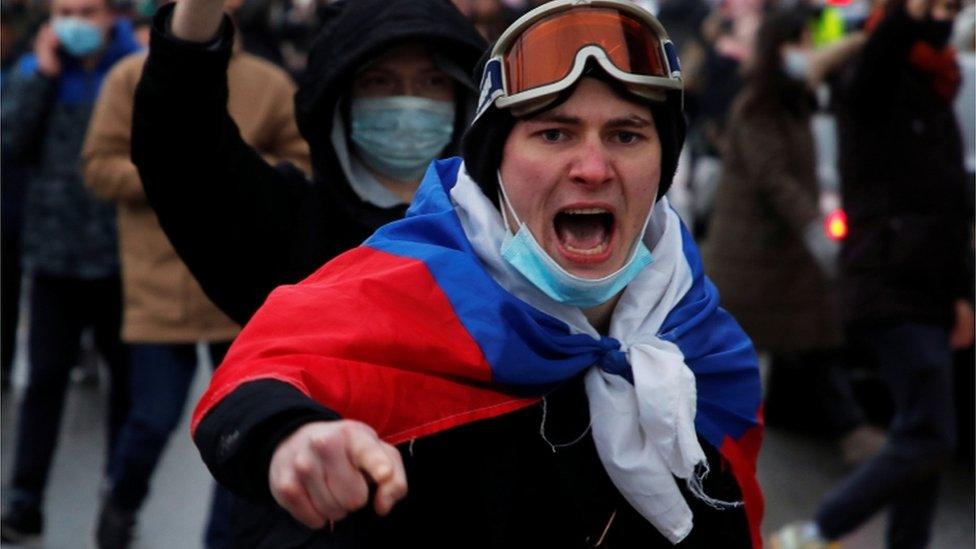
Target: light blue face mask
column 78, row 37
column 524, row 252
column 399, row 136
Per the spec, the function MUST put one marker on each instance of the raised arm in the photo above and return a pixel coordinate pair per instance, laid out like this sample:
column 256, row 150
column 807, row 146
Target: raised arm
column 885, row 54
column 238, row 223
column 826, row 60
column 33, row 82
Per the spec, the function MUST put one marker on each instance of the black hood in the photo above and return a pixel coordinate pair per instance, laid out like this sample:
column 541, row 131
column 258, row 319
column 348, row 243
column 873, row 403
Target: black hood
column 353, row 33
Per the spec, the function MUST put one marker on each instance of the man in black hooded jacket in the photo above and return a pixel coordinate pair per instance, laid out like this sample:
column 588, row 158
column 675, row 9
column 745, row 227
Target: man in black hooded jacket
column 243, row 236
column 244, row 227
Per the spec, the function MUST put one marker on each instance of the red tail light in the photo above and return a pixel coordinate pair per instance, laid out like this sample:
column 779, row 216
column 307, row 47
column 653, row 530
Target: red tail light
column 836, row 225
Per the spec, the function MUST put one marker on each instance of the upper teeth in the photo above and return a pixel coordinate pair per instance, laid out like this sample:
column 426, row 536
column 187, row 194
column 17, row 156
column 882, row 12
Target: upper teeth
column 579, row 211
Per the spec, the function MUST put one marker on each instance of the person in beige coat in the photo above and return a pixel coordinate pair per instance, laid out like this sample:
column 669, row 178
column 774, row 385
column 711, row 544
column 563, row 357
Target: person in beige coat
column 165, row 311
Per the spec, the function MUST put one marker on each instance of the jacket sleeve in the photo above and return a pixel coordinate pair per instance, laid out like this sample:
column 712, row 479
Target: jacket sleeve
column 238, row 223
column 26, row 103
column 765, row 150
column 238, row 437
column 106, row 158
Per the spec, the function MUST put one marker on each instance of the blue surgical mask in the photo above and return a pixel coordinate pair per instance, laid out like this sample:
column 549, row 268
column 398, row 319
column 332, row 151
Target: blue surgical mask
column 523, row 252
column 399, row 136
column 78, row 37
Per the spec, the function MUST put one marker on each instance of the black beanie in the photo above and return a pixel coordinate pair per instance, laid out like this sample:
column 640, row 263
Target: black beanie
column 484, row 141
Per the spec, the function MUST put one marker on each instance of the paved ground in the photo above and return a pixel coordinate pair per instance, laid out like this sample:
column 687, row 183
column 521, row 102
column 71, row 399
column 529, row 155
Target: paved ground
column 795, row 473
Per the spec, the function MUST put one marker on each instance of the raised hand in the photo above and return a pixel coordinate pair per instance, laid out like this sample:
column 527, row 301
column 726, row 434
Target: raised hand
column 46, row 50
column 197, row 20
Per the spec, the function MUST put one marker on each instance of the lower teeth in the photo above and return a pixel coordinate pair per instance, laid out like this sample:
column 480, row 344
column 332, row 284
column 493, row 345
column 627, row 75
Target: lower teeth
column 587, row 251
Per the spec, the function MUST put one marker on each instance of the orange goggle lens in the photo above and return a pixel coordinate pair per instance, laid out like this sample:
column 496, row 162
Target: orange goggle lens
column 546, row 51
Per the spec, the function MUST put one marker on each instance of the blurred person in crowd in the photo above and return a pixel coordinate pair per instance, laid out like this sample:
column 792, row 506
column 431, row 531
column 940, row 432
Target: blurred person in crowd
column 533, row 337
column 387, row 89
column 964, row 40
column 727, row 34
column 70, row 237
column 684, row 19
column 768, row 251
column 14, row 39
column 906, row 267
column 490, row 17
column 143, row 11
column 253, row 24
column 165, row 312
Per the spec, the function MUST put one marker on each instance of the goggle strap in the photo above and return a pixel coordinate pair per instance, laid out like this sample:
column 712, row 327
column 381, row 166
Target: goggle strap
column 672, row 54
column 491, row 86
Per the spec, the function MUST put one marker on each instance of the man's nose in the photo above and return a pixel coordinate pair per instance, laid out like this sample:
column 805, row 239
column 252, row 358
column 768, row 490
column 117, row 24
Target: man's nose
column 591, row 165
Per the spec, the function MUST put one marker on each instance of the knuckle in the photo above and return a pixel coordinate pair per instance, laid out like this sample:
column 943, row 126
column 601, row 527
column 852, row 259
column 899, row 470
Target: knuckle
column 303, row 466
column 325, row 443
column 288, row 492
column 344, row 428
column 356, row 501
column 398, row 489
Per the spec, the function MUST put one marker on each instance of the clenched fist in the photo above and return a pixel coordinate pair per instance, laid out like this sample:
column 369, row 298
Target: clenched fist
column 321, row 472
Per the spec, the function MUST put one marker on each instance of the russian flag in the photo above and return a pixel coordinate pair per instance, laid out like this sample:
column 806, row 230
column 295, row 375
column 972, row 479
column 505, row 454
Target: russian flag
column 410, row 334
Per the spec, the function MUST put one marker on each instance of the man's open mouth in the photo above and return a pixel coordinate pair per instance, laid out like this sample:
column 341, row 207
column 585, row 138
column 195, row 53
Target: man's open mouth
column 584, row 231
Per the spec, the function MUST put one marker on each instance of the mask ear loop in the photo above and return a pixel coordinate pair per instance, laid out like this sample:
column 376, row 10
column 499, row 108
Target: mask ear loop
column 647, row 223
column 506, row 205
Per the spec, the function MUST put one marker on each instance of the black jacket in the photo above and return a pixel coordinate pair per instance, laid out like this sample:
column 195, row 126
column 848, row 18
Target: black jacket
column 492, row 484
column 244, row 227
column 903, row 186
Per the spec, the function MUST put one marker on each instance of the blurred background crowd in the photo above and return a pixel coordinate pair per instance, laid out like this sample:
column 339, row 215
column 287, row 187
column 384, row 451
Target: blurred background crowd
column 759, row 183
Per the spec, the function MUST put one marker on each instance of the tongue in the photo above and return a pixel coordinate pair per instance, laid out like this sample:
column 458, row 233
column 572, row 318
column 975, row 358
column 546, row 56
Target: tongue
column 582, row 232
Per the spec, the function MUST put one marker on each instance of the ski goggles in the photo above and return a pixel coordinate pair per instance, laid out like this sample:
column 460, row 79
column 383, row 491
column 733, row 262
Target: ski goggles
column 546, row 51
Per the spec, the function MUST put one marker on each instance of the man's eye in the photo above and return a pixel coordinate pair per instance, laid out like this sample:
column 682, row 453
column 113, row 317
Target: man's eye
column 627, row 138
column 552, row 136
column 439, row 81
column 375, row 81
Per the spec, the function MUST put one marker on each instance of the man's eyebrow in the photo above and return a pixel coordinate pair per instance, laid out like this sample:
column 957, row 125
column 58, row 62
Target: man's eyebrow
column 555, row 117
column 632, row 121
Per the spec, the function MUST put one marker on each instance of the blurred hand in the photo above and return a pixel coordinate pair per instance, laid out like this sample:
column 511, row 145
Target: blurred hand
column 46, row 50
column 963, row 332
column 824, row 250
column 197, row 20
column 320, row 472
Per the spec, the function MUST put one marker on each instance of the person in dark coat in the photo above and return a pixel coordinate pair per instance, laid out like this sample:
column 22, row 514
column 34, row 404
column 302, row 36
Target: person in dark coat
column 766, row 205
column 244, row 227
column 906, row 272
column 768, row 250
column 69, row 238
